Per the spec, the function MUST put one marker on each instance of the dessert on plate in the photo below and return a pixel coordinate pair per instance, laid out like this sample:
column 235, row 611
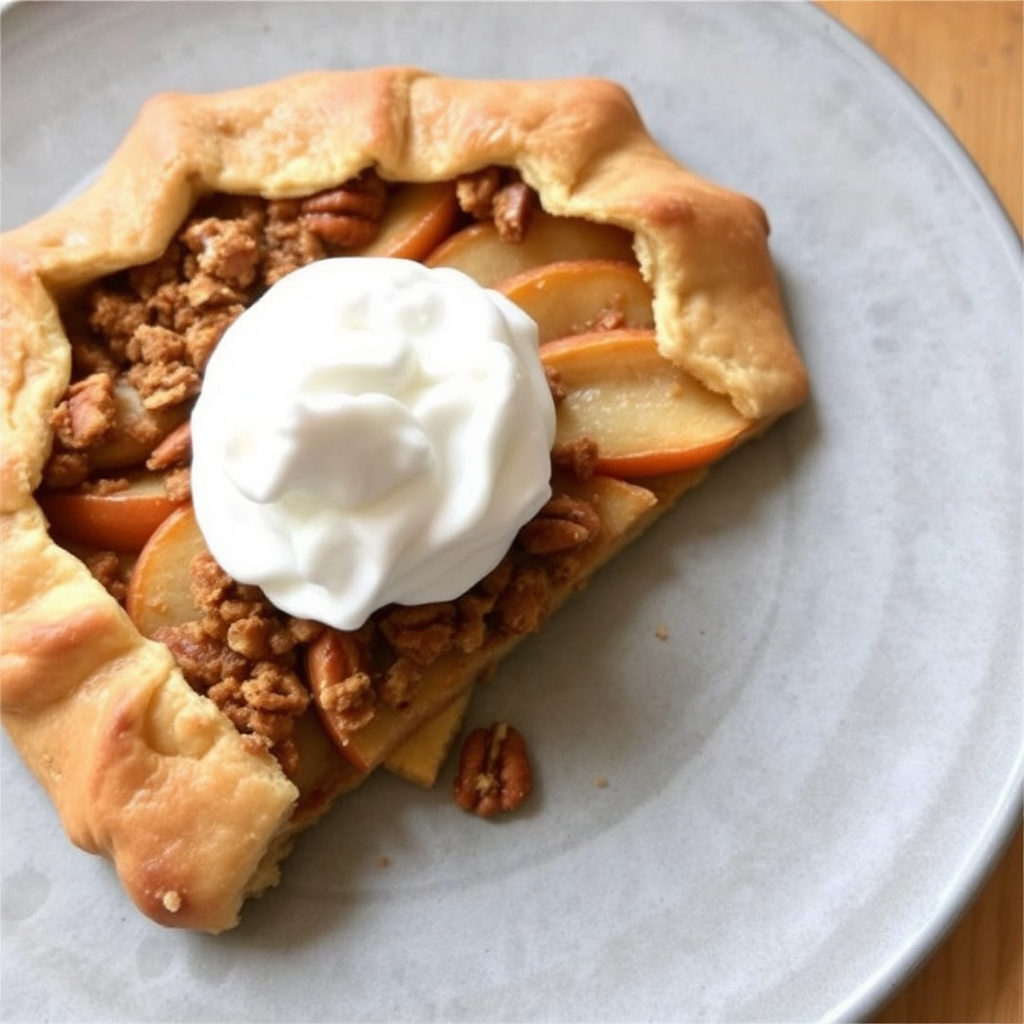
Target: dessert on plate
column 325, row 395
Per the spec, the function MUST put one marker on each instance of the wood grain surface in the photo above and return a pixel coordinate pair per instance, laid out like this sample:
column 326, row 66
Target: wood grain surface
column 964, row 58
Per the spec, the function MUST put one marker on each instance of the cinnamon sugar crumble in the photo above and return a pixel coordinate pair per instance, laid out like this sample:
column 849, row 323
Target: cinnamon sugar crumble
column 85, row 416
column 107, row 568
column 140, row 340
column 498, row 195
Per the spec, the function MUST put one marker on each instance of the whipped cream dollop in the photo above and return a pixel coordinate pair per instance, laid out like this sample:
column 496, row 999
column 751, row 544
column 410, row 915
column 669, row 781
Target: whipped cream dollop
column 370, row 431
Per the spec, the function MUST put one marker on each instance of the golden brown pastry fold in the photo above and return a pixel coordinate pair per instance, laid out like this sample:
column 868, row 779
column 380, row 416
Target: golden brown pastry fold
column 141, row 768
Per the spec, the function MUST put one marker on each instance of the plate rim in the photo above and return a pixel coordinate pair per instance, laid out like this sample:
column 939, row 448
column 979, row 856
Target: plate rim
column 1008, row 807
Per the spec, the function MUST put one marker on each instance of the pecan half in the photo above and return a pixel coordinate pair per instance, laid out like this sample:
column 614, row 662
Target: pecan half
column 347, row 216
column 563, row 523
column 494, row 771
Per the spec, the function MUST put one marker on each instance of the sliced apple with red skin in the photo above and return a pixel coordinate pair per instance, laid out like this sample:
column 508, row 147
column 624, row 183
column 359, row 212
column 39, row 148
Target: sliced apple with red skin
column 646, row 415
column 485, row 256
column 116, row 521
column 159, row 591
column 575, row 296
column 418, row 219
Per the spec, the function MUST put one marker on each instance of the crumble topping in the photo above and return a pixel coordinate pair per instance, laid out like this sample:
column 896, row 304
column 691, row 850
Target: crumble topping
column 498, row 195
column 140, row 340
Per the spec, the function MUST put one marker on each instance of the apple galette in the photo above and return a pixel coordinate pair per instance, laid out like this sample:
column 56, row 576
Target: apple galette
column 322, row 397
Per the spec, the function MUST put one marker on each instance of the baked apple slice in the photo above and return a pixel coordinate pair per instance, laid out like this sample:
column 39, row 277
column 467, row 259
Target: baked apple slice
column 116, row 520
column 489, row 259
column 579, row 296
column 646, row 415
column 419, row 218
column 159, row 593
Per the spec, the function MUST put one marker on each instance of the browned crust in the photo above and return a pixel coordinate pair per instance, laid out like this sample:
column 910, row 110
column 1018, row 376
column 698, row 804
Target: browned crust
column 102, row 716
column 140, row 768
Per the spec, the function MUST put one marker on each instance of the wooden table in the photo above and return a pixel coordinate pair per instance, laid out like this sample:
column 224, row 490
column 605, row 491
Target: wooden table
column 964, row 57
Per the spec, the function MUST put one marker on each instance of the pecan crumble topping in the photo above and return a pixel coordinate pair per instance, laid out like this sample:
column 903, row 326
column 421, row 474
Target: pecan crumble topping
column 140, row 341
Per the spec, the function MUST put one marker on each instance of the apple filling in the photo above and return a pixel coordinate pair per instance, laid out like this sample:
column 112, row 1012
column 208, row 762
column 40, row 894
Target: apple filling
column 116, row 488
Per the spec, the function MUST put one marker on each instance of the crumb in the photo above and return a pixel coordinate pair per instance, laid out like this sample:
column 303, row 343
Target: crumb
column 661, row 631
column 600, row 782
column 383, row 862
column 171, row 901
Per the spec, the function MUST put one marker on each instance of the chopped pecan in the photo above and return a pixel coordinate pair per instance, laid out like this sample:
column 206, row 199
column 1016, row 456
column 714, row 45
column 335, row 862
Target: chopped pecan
column 563, row 523
column 174, row 449
column 475, row 192
column 513, row 207
column 498, row 195
column 86, row 414
column 421, row 632
column 494, row 771
column 525, row 601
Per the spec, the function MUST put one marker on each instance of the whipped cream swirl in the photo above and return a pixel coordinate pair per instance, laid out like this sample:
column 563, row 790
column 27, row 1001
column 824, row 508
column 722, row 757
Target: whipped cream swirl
column 370, row 431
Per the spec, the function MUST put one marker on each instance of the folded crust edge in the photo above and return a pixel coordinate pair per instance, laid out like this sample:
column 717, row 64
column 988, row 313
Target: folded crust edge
column 140, row 768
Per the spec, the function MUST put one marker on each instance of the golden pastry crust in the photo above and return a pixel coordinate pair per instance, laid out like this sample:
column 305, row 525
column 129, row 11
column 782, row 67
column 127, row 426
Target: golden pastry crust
column 141, row 768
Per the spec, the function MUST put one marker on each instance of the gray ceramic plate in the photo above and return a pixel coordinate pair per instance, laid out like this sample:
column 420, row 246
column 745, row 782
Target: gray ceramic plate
column 809, row 777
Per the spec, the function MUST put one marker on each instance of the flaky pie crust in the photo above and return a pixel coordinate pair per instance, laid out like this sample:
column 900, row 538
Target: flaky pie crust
column 141, row 768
